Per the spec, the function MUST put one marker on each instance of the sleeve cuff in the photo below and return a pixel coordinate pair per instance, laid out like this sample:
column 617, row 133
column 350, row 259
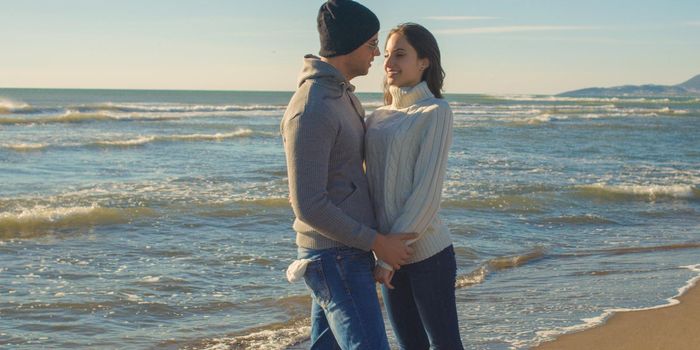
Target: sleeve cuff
column 384, row 265
column 365, row 238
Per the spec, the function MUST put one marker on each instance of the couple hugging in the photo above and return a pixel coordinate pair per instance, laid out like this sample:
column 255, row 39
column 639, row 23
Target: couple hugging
column 366, row 191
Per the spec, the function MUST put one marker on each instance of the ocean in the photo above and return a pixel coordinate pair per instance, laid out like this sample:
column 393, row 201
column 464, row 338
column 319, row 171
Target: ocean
column 159, row 219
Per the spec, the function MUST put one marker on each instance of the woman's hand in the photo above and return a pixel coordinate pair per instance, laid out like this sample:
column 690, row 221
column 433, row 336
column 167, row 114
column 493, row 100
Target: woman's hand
column 383, row 276
column 392, row 249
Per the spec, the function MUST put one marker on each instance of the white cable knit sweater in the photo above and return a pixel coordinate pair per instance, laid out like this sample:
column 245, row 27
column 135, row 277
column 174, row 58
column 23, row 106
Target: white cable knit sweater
column 406, row 153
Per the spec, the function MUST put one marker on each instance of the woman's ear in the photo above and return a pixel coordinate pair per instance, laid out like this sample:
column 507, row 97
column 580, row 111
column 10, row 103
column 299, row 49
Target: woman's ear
column 424, row 64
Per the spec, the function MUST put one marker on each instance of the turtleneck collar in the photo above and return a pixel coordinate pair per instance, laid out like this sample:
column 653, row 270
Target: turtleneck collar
column 402, row 97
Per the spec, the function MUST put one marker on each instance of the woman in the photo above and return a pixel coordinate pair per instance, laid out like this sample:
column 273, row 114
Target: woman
column 407, row 145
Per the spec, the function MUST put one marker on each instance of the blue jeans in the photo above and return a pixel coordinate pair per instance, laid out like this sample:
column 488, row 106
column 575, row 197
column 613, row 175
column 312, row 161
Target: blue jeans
column 345, row 311
column 422, row 307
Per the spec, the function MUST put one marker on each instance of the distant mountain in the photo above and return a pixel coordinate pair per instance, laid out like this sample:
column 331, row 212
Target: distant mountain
column 688, row 88
column 692, row 84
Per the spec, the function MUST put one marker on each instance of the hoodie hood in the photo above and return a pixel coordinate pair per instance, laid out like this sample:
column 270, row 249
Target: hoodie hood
column 324, row 73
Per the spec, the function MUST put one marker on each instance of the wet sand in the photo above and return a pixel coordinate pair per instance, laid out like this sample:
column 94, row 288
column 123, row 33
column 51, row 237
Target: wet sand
column 667, row 328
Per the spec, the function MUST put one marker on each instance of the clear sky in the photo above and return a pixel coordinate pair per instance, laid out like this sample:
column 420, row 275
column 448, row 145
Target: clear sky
column 489, row 46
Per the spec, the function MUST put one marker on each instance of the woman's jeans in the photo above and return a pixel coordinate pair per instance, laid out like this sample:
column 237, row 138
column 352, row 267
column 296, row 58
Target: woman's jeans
column 345, row 311
column 422, row 307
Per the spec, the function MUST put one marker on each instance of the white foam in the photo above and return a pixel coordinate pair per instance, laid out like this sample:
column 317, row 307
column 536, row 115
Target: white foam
column 477, row 276
column 205, row 194
column 175, row 107
column 277, row 339
column 132, row 297
column 132, row 142
column 217, row 136
column 151, row 279
column 592, row 116
column 41, row 219
column 653, row 191
column 9, row 105
column 44, row 213
column 548, row 335
column 21, row 147
column 539, row 119
column 142, row 140
column 548, row 98
column 542, row 118
column 652, row 112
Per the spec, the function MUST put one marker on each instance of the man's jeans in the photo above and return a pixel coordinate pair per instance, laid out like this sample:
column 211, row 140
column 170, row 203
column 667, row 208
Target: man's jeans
column 421, row 306
column 345, row 311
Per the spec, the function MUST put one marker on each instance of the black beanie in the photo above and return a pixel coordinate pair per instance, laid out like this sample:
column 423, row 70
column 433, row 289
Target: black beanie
column 344, row 25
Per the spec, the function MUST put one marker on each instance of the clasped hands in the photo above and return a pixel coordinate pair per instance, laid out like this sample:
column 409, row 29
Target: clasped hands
column 394, row 251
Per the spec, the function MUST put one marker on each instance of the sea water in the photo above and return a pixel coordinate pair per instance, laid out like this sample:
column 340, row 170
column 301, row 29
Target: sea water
column 160, row 219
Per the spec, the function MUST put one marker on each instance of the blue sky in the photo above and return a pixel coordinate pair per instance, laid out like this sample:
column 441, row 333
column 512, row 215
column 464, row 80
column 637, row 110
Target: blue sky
column 493, row 46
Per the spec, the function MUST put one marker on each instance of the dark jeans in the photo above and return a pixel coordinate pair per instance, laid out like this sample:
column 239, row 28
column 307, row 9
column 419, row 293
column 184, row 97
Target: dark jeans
column 345, row 311
column 422, row 307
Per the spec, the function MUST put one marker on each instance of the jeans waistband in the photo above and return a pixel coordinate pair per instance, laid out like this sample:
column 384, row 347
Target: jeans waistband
column 307, row 253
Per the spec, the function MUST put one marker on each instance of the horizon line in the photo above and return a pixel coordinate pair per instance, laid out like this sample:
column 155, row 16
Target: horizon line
column 284, row 91
column 132, row 89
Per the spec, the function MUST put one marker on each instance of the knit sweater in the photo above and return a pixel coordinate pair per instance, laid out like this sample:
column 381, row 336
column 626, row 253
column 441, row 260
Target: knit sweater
column 407, row 144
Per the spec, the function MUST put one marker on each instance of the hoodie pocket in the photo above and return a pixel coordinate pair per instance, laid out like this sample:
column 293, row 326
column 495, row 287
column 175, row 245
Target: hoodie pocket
column 340, row 194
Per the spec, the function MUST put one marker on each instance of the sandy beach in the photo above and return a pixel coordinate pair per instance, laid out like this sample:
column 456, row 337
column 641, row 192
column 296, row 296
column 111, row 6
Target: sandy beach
column 667, row 328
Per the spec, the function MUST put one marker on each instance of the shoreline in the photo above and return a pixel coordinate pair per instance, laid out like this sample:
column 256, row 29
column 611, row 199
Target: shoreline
column 670, row 326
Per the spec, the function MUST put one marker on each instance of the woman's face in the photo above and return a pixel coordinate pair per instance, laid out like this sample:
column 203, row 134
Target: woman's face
column 402, row 66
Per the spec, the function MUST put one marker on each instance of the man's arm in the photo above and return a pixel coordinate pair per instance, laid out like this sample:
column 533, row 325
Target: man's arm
column 308, row 141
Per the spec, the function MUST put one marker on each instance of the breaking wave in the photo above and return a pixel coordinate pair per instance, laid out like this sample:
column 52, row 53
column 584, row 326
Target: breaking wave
column 647, row 192
column 479, row 275
column 68, row 117
column 142, row 140
column 9, row 106
column 175, row 108
column 41, row 220
column 24, row 147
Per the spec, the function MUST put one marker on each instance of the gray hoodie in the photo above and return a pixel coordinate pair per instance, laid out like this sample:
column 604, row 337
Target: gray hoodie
column 323, row 132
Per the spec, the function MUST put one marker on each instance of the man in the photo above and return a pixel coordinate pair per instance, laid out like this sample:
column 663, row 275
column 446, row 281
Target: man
column 323, row 132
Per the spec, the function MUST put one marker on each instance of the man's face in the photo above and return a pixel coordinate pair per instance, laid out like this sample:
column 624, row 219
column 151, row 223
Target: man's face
column 361, row 59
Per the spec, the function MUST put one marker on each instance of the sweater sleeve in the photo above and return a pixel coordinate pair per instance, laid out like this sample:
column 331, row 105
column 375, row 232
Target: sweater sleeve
column 308, row 142
column 429, row 173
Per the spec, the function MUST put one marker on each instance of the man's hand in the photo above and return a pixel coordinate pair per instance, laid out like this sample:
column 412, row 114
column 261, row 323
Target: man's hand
column 392, row 249
column 383, row 276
